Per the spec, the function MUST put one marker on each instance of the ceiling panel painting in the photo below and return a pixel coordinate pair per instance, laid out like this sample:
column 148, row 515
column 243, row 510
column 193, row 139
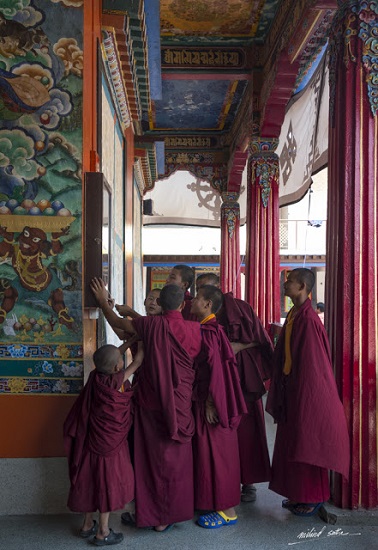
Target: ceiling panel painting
column 196, row 104
column 216, row 18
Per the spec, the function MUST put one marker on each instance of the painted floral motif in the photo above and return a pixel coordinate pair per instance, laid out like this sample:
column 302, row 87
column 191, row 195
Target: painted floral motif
column 264, row 166
column 16, row 385
column 72, row 369
column 17, row 350
column 61, row 386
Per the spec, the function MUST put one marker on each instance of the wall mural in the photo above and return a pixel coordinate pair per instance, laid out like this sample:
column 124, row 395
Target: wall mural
column 41, row 70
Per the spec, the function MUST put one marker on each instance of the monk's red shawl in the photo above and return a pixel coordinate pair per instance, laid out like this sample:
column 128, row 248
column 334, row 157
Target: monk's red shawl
column 242, row 325
column 307, row 400
column 165, row 380
column 217, row 374
column 99, row 420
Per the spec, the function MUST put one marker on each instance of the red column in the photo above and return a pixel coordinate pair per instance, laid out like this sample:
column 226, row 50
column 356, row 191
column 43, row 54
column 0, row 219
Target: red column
column 352, row 250
column 262, row 254
column 230, row 244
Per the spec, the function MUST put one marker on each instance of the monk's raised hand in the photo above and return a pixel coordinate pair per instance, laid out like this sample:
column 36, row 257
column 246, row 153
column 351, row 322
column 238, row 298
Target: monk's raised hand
column 99, row 290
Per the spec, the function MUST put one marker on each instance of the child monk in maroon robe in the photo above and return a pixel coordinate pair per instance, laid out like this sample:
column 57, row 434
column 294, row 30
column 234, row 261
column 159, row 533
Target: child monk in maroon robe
column 183, row 276
column 312, row 435
column 218, row 405
column 95, row 437
column 164, row 423
column 254, row 352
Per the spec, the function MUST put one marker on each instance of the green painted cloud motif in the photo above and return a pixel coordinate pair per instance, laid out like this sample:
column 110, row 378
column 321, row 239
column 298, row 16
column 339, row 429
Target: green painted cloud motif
column 17, row 150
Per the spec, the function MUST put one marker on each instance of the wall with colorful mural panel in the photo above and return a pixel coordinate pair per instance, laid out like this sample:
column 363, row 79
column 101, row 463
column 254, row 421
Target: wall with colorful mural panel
column 41, row 64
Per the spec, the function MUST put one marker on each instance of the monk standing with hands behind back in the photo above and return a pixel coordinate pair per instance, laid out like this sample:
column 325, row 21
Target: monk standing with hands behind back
column 312, row 435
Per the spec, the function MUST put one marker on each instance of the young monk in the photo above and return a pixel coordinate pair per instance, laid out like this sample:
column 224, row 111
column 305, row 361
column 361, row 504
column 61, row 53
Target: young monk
column 183, row 276
column 95, row 437
column 254, row 352
column 152, row 307
column 218, row 404
column 312, row 435
column 164, row 423
column 151, row 304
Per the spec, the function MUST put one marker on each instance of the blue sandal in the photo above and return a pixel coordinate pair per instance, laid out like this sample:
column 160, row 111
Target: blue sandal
column 215, row 520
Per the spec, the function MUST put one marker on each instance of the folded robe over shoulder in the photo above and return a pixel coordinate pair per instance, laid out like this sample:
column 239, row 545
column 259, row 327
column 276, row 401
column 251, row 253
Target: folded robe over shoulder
column 255, row 366
column 165, row 381
column 224, row 382
column 306, row 403
column 164, row 424
column 215, row 446
column 95, row 439
column 243, row 325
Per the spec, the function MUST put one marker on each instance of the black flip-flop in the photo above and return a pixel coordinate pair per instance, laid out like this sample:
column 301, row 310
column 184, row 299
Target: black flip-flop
column 294, row 508
column 112, row 538
column 89, row 532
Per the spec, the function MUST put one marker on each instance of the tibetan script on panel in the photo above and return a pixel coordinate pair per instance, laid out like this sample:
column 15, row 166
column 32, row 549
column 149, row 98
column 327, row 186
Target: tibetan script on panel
column 202, row 58
column 191, row 142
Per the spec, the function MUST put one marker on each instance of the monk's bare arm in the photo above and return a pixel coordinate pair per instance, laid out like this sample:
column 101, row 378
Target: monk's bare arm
column 102, row 297
column 128, row 343
column 127, row 311
column 136, row 363
column 239, row 346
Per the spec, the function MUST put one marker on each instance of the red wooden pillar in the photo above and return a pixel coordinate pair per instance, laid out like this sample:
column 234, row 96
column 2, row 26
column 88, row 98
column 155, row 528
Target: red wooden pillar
column 230, row 244
column 352, row 249
column 262, row 254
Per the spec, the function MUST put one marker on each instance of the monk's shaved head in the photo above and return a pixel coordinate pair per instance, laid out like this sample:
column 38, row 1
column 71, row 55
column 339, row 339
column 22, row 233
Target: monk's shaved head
column 305, row 276
column 207, row 279
column 171, row 297
column 106, row 358
column 211, row 292
column 187, row 274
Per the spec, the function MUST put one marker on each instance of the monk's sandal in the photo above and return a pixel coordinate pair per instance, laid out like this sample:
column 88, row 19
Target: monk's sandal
column 214, row 520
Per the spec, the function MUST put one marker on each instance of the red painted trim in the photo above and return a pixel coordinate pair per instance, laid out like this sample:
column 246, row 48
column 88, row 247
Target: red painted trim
column 280, row 93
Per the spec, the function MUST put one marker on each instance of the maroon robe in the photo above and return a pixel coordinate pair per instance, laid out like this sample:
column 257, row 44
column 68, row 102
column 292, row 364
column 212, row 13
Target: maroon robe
column 215, row 446
column 95, row 440
column 312, row 435
column 254, row 365
column 188, row 306
column 164, row 423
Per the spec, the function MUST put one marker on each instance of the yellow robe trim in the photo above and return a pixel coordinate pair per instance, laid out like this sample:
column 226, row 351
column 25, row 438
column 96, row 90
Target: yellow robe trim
column 288, row 331
column 211, row 316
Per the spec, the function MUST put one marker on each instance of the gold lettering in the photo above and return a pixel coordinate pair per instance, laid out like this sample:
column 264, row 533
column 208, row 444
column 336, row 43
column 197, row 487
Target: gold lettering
column 168, row 57
column 196, row 58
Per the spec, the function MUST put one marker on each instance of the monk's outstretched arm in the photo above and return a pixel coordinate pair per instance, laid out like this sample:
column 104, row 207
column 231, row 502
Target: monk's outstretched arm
column 127, row 311
column 102, row 297
column 128, row 343
column 136, row 363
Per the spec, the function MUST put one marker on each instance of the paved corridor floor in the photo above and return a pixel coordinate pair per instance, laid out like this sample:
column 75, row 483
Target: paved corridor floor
column 262, row 525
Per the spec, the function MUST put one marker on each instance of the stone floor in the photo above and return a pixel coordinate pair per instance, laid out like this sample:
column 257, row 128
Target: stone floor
column 262, row 525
